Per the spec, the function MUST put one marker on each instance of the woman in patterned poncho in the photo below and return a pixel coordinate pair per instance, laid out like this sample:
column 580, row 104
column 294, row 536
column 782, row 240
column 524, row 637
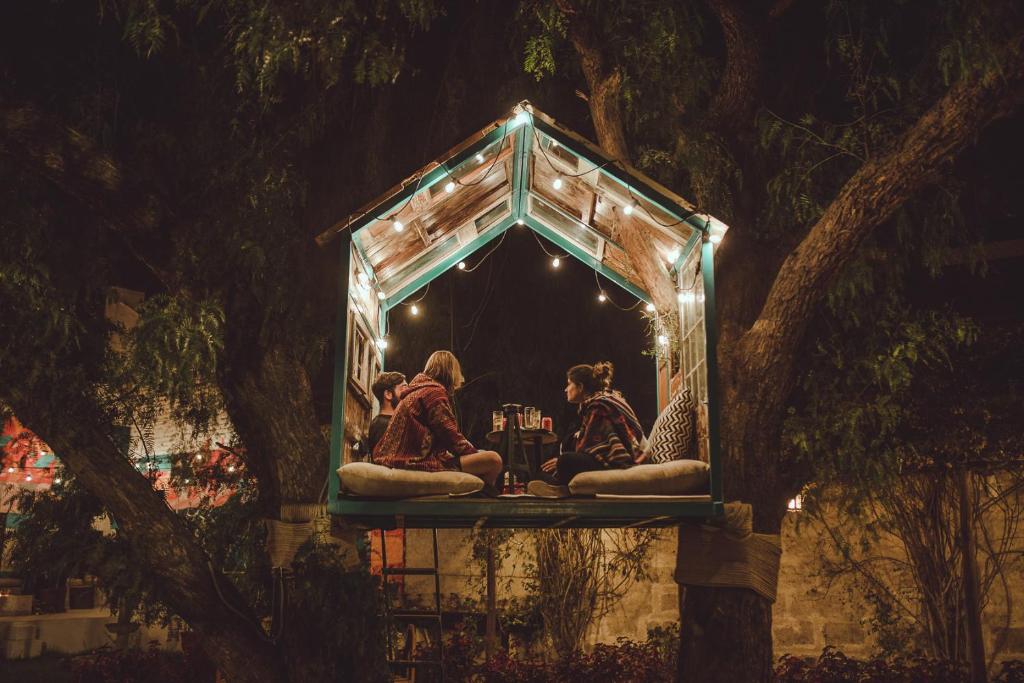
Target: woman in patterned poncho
column 609, row 437
column 423, row 433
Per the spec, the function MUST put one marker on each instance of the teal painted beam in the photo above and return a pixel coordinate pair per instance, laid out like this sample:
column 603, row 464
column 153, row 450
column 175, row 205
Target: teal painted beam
column 581, row 254
column 707, row 262
column 340, row 367
column 636, row 185
column 444, row 265
column 521, row 175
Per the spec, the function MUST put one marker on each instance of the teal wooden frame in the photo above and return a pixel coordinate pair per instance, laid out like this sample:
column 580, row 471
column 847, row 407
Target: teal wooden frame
column 442, row 512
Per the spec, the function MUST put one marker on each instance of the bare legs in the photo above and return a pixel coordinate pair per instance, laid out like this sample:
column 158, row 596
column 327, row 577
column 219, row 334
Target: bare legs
column 484, row 464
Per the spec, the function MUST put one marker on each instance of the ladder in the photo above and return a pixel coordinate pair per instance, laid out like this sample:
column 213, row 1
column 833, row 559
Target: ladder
column 411, row 616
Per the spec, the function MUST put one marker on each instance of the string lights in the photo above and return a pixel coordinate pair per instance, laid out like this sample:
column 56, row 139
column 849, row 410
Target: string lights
column 397, row 224
column 649, row 308
column 449, row 187
column 601, row 297
column 415, row 310
column 556, row 262
column 557, row 184
column 462, row 265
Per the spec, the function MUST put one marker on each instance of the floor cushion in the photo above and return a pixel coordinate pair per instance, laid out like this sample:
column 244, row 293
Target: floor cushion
column 672, row 435
column 673, row 478
column 368, row 479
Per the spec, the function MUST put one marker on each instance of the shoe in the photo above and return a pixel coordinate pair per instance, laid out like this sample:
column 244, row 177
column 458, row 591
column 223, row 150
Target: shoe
column 490, row 491
column 542, row 489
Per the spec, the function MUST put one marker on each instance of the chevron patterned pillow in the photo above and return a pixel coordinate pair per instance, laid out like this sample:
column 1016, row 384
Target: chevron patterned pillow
column 672, row 435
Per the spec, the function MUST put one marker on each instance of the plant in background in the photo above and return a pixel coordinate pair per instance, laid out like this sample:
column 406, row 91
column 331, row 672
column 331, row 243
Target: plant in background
column 581, row 574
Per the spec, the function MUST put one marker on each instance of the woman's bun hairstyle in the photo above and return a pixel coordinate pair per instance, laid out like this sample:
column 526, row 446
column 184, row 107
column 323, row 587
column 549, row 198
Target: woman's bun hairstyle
column 593, row 378
column 603, row 372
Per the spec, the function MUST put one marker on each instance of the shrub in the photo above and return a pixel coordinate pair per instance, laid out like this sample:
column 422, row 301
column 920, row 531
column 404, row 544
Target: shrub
column 835, row 667
column 151, row 665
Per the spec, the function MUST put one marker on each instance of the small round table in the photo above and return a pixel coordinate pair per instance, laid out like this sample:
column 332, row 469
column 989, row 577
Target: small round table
column 534, row 439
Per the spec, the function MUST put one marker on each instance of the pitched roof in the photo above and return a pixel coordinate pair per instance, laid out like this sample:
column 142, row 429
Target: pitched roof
column 523, row 168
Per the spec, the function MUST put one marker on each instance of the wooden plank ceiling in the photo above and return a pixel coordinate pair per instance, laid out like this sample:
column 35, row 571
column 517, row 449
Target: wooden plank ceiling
column 585, row 208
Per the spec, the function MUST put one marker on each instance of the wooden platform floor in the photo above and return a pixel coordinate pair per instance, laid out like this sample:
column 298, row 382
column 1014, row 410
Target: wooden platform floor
column 528, row 512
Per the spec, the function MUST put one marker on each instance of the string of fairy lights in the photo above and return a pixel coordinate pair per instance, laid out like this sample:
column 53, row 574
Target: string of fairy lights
column 686, row 294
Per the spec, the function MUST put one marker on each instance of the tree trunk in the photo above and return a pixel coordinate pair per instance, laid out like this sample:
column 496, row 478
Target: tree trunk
column 972, row 600
column 726, row 635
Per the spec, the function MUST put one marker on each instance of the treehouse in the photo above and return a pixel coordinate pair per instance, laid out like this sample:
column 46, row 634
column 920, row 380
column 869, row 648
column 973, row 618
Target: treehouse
column 522, row 170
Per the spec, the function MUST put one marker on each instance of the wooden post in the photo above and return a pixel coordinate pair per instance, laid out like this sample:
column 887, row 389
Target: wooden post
column 491, row 634
column 972, row 602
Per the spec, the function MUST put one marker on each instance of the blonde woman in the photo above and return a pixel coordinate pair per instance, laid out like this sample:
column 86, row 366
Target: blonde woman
column 423, row 433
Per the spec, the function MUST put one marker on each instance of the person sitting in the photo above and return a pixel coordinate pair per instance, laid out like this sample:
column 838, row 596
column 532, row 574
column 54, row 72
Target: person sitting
column 609, row 436
column 423, row 433
column 387, row 388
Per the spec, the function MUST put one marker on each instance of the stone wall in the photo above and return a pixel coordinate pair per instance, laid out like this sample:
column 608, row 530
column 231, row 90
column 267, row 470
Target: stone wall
column 807, row 615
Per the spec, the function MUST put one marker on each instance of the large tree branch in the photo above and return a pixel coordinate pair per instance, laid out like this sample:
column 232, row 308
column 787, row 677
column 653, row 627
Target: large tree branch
column 734, row 103
column 203, row 596
column 605, row 84
column 72, row 162
column 869, row 198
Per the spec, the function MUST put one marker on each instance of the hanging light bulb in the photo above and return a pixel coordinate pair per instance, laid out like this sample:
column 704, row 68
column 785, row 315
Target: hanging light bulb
column 10, row 470
column 663, row 340
column 462, row 265
column 601, row 297
column 649, row 308
column 231, row 468
column 628, row 210
column 380, row 295
column 28, row 477
column 398, row 225
column 557, row 184
column 199, row 456
column 57, row 480
column 520, row 222
column 382, row 344
column 479, row 158
column 449, row 187
column 521, row 118
column 187, row 479
column 555, row 262
column 715, row 238
column 673, row 255
column 415, row 310
column 687, row 297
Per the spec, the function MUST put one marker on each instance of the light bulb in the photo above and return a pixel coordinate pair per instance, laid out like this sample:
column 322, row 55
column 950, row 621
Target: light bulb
column 382, row 343
column 673, row 255
column 687, row 297
column 449, row 187
column 187, row 480
column 649, row 308
column 363, row 279
column 57, row 480
column 662, row 339
column 28, row 477
column 521, row 118
column 398, row 226
column 628, row 210
column 715, row 238
column 520, row 222
column 380, row 295
column 555, row 262
column 479, row 158
column 10, row 470
column 199, row 456
column 231, row 468
column 462, row 265
column 601, row 297
column 415, row 310
column 558, row 183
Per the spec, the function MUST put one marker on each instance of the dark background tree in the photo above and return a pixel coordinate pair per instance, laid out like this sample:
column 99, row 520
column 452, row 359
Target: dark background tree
column 192, row 150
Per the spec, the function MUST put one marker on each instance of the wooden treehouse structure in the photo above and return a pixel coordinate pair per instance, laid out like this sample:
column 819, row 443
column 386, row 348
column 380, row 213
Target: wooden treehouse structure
column 526, row 170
